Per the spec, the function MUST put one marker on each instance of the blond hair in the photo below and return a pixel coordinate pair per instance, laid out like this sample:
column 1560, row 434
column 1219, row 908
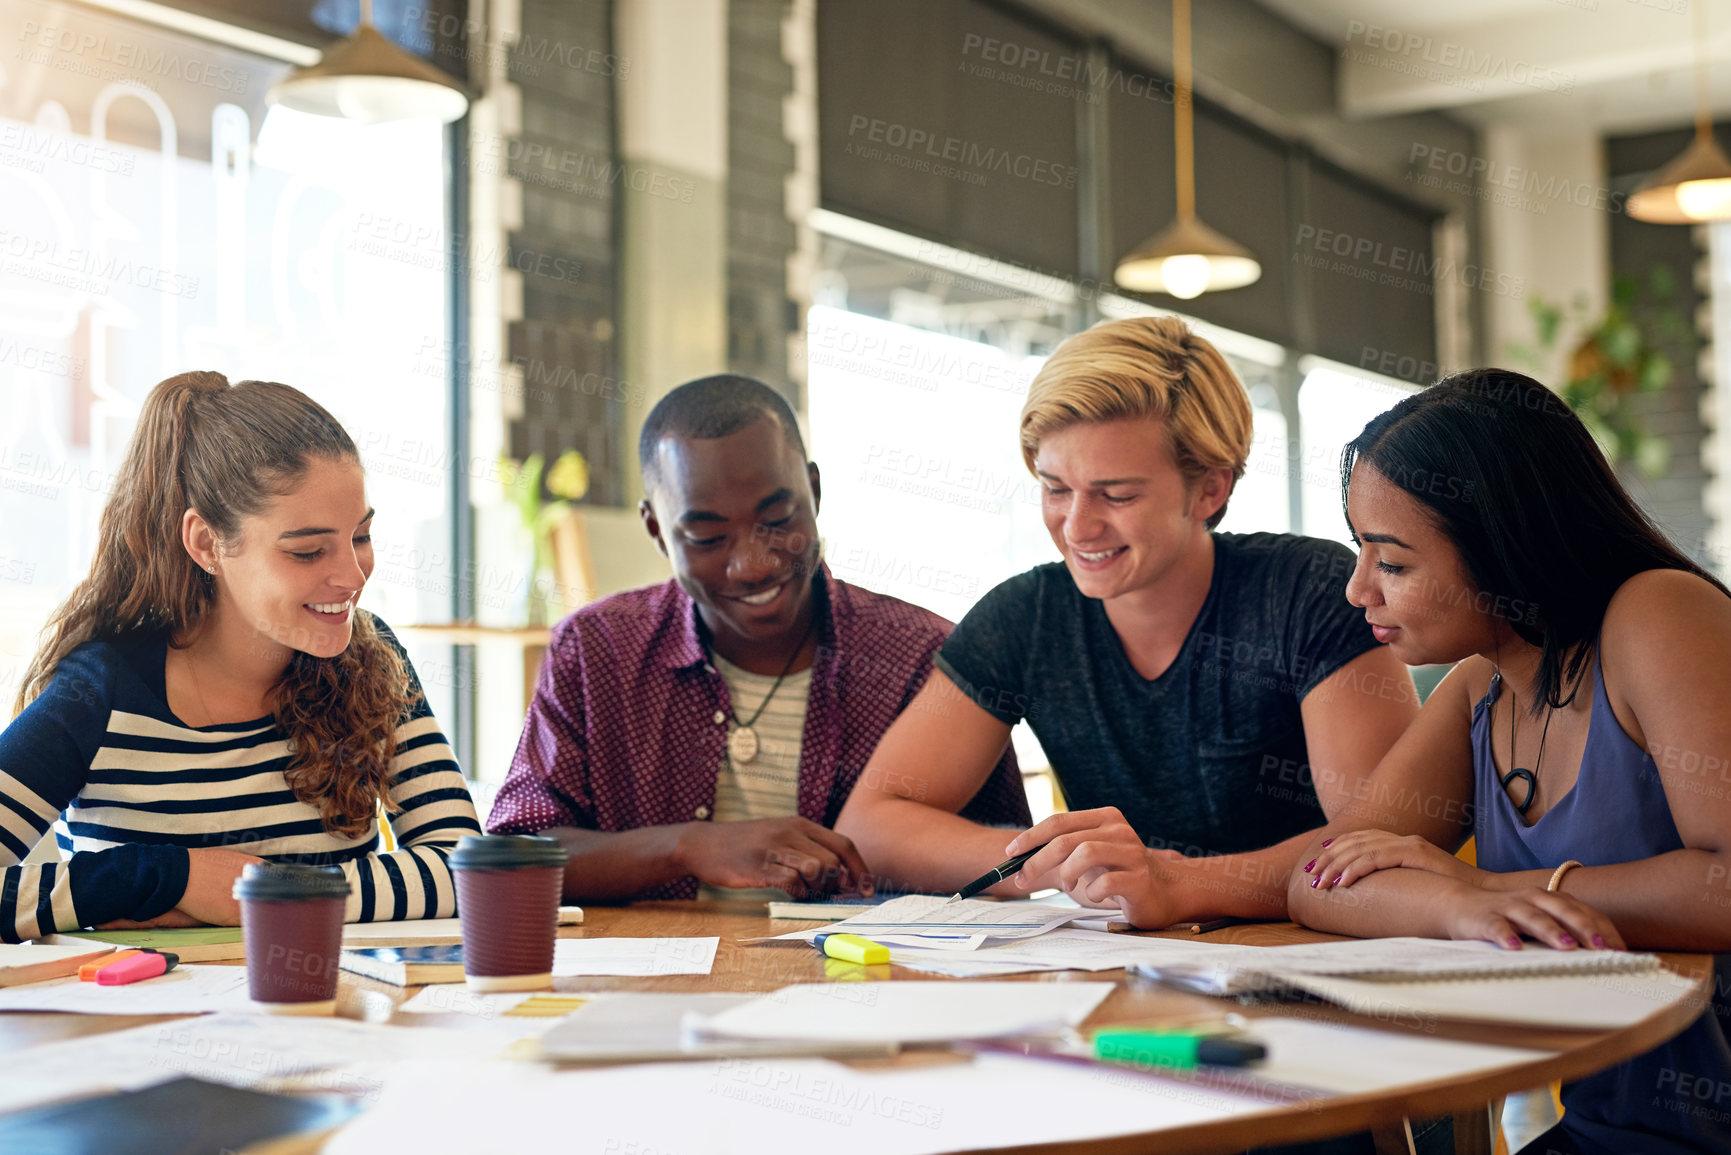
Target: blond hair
column 1145, row 367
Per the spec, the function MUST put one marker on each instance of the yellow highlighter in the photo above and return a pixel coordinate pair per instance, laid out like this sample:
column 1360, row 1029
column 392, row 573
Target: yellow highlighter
column 852, row 948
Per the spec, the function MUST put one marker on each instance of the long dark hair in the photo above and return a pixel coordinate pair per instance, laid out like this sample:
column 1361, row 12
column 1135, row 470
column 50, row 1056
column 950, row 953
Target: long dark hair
column 1520, row 487
column 227, row 451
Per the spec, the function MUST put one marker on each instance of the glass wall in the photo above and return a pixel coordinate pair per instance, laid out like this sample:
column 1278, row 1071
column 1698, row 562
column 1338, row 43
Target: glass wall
column 159, row 219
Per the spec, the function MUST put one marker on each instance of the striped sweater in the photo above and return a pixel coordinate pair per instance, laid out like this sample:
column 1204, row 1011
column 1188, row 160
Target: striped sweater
column 134, row 788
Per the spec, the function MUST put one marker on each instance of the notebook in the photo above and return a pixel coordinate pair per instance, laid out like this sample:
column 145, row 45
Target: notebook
column 191, row 944
column 424, row 931
column 407, row 965
column 31, row 962
column 181, row 1115
column 830, row 910
column 1232, row 970
column 1420, row 978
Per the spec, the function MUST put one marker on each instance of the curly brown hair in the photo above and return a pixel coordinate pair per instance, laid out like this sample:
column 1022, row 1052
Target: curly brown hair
column 228, row 451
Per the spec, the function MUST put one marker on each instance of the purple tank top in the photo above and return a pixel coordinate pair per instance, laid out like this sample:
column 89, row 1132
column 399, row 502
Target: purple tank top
column 1616, row 812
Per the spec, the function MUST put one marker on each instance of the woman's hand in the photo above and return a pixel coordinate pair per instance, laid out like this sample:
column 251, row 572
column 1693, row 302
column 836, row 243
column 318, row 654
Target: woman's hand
column 1552, row 917
column 209, row 896
column 168, row 919
column 1097, row 859
column 1348, row 857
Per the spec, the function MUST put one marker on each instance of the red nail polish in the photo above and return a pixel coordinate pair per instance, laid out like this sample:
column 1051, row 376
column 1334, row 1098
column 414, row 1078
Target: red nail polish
column 1599, row 941
column 1566, row 939
column 1313, row 883
column 1310, row 866
column 1513, row 942
column 1326, row 841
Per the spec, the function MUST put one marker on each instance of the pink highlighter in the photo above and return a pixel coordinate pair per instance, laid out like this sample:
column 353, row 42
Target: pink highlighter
column 146, row 964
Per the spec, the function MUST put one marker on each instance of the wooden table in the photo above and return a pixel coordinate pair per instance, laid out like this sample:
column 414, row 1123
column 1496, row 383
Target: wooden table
column 746, row 968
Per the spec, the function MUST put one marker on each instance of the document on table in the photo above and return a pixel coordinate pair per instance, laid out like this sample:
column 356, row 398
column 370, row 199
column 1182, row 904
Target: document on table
column 187, row 990
column 908, row 1012
column 1070, row 948
column 258, row 1051
column 581, row 957
column 924, row 920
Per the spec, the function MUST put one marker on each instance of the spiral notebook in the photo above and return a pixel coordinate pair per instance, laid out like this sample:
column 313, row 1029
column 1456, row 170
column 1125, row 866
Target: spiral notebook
column 1440, row 978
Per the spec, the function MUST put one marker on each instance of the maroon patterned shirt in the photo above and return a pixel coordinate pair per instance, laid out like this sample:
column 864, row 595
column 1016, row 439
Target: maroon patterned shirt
column 629, row 722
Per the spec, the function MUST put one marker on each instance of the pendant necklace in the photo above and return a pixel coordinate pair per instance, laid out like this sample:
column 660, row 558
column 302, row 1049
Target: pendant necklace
column 742, row 745
column 1516, row 773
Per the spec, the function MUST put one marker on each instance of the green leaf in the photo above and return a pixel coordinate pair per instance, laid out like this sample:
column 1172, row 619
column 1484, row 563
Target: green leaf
column 1655, row 373
column 1652, row 455
column 1621, row 343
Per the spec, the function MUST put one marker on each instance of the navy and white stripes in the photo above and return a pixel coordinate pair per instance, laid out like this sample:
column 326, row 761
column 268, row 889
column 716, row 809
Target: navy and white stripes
column 134, row 790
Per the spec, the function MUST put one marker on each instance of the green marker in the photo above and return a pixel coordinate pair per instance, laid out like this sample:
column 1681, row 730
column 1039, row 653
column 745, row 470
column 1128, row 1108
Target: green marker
column 1174, row 1049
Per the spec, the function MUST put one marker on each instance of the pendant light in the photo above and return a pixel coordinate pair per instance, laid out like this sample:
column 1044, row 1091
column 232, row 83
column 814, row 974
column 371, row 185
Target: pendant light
column 369, row 79
column 1697, row 185
column 1186, row 258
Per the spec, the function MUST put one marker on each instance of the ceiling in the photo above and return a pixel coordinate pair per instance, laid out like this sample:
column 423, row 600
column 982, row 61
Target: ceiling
column 1612, row 65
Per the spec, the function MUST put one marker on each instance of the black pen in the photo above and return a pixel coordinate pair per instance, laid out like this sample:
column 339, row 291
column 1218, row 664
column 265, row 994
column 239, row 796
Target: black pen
column 996, row 875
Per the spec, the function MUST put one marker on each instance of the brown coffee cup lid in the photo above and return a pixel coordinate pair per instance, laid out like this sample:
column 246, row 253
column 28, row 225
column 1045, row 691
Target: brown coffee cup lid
column 290, row 882
column 506, row 852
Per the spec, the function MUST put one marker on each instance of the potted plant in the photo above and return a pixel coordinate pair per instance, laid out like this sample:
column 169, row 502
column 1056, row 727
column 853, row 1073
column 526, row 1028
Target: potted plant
column 1614, row 359
column 561, row 577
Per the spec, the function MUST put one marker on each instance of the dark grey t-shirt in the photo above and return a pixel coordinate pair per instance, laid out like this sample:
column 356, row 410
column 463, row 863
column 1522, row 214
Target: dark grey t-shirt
column 1208, row 758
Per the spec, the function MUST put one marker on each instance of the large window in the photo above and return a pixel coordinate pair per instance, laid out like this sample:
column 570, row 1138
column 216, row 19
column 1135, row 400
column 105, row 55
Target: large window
column 159, row 219
column 1334, row 405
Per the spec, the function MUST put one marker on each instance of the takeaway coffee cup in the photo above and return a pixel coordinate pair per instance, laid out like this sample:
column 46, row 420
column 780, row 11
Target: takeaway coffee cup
column 292, row 920
column 508, row 888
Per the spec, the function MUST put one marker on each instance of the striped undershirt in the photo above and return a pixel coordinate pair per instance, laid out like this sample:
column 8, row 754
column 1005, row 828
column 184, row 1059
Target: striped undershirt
column 768, row 785
column 128, row 789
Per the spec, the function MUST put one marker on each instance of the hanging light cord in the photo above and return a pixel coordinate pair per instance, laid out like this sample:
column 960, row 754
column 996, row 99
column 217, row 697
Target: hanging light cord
column 1703, row 113
column 1184, row 138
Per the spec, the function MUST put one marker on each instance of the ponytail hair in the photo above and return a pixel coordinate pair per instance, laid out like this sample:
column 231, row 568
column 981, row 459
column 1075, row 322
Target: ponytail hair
column 227, row 452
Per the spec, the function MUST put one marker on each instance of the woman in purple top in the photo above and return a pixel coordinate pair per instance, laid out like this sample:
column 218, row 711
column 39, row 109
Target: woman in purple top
column 1583, row 736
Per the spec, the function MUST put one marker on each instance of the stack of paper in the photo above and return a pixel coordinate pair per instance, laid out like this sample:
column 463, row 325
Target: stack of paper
column 1068, row 948
column 923, row 920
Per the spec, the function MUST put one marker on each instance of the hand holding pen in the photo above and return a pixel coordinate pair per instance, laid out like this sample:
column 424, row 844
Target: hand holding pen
column 1097, row 859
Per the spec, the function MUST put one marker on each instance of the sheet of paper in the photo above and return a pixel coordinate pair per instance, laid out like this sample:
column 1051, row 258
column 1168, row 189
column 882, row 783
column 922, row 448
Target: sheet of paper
column 925, row 920
column 581, row 957
column 458, row 999
column 1070, row 948
column 732, row 1105
column 25, row 954
column 185, row 990
column 909, row 1012
column 272, row 1052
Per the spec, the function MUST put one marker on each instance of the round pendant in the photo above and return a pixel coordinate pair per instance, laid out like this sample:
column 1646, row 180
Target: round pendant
column 742, row 744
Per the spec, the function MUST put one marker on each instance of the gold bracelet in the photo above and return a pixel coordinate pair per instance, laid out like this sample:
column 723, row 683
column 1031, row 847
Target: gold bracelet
column 1557, row 876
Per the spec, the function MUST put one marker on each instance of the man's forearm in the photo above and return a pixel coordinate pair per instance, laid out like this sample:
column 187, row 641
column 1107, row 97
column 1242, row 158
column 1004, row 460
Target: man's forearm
column 912, row 846
column 611, row 867
column 1249, row 885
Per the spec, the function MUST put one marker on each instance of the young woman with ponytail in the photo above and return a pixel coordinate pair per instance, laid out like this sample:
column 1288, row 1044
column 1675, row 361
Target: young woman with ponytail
column 211, row 694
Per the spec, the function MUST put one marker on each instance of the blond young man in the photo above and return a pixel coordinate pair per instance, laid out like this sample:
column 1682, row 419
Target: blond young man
column 1206, row 699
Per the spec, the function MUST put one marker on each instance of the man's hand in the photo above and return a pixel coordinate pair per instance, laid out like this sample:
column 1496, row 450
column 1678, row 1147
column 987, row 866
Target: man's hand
column 793, row 854
column 209, row 896
column 1098, row 860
